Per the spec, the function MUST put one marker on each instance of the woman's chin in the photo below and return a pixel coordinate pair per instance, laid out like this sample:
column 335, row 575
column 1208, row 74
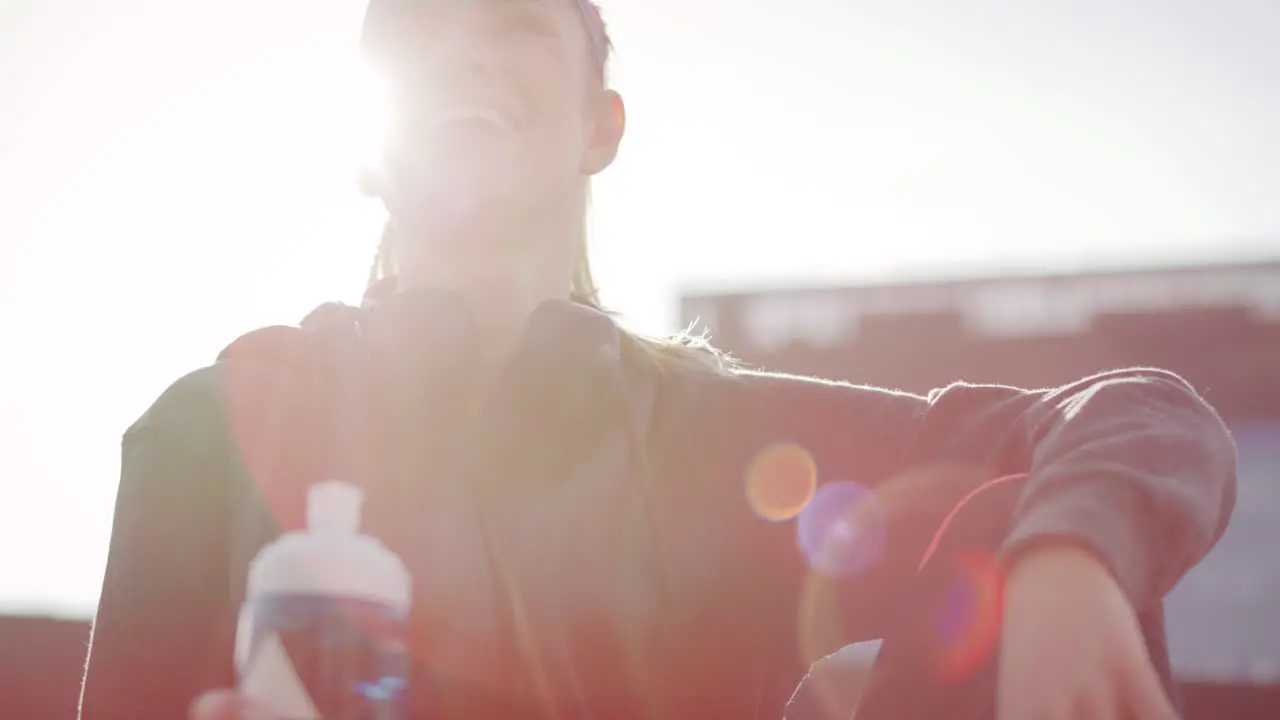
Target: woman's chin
column 465, row 202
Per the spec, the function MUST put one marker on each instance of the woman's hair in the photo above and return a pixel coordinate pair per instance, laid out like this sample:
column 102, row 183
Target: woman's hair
column 684, row 350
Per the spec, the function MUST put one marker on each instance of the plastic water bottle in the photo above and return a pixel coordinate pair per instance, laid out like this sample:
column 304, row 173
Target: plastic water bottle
column 322, row 634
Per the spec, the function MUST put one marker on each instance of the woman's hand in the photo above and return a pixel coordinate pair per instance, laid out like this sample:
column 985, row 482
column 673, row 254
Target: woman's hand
column 1071, row 647
column 227, row 705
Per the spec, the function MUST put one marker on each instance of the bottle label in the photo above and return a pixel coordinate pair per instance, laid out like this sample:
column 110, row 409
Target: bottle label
column 323, row 658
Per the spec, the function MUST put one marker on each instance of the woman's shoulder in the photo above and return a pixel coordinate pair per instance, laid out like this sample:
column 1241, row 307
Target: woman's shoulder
column 736, row 414
column 736, row 392
column 199, row 407
column 188, row 406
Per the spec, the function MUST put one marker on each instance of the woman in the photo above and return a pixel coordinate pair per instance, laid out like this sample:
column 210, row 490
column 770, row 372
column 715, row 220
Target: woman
column 601, row 524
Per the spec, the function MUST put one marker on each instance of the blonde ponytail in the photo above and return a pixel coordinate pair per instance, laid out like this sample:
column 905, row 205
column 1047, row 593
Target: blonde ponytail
column 685, row 350
column 383, row 266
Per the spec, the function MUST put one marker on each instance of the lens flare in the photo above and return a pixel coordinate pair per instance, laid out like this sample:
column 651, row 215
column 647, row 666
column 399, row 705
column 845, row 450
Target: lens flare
column 841, row 531
column 967, row 624
column 781, row 481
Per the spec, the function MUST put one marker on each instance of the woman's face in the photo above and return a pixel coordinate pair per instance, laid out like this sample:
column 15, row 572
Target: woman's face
column 492, row 103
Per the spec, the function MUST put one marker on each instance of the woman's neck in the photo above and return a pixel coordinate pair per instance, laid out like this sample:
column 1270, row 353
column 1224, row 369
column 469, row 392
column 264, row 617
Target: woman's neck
column 500, row 294
column 507, row 270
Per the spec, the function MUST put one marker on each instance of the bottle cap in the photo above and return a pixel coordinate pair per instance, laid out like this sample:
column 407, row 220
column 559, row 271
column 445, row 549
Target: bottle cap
column 333, row 507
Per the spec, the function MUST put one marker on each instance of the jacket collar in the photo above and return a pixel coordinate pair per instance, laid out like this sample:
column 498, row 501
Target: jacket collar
column 564, row 348
column 562, row 386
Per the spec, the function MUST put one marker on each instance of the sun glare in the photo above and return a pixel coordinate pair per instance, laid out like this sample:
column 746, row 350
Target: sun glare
column 364, row 114
column 184, row 202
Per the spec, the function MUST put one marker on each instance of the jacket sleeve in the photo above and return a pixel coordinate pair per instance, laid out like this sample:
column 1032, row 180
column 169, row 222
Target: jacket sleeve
column 162, row 630
column 1131, row 464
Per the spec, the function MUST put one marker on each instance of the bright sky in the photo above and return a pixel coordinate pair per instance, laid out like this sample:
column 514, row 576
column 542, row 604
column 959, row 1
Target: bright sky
column 173, row 174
